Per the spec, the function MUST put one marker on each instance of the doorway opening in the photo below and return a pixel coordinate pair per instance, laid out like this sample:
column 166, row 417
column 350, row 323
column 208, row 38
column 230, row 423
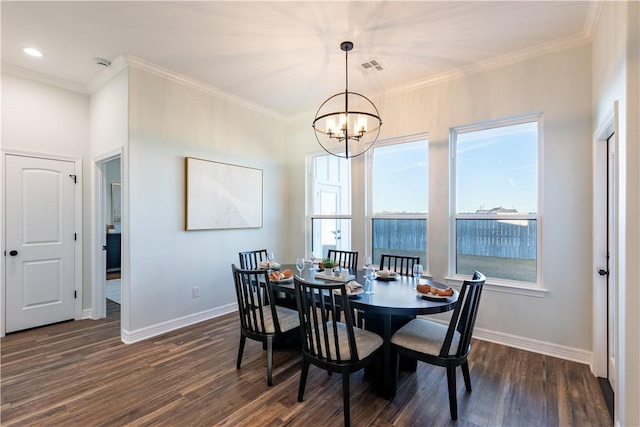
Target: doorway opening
column 107, row 231
column 113, row 228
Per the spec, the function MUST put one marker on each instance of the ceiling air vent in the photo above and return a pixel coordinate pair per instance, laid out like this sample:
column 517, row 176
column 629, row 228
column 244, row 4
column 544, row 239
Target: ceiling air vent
column 371, row 66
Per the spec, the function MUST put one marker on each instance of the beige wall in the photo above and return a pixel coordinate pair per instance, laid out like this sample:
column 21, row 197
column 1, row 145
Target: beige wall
column 168, row 122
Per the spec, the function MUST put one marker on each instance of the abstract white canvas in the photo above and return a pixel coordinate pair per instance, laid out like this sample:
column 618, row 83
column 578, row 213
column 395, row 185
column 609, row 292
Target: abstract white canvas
column 221, row 196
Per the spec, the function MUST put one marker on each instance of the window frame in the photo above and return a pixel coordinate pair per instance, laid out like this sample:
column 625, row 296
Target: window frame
column 499, row 284
column 369, row 216
column 309, row 214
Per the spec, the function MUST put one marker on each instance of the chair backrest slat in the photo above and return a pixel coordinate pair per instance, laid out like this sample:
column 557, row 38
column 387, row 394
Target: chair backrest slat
column 320, row 307
column 464, row 316
column 399, row 263
column 254, row 293
column 346, row 259
column 250, row 260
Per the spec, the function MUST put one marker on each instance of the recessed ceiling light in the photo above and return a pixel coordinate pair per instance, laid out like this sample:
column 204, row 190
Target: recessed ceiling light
column 32, row 52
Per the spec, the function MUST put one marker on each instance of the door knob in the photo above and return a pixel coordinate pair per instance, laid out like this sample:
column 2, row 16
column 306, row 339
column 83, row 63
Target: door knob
column 13, row 253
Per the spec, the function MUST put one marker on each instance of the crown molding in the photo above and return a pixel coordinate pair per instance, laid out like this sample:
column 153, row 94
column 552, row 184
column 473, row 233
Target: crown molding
column 141, row 64
column 43, row 78
column 593, row 18
column 106, row 74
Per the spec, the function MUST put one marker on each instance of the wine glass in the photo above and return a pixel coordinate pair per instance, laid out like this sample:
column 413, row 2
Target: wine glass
column 367, row 262
column 417, row 274
column 300, row 265
column 271, row 257
column 369, row 276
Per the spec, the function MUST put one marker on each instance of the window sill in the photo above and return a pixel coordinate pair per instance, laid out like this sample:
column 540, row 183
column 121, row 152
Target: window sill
column 504, row 287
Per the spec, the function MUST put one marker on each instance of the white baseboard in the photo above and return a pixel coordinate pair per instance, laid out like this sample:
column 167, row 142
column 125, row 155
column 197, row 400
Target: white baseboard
column 541, row 347
column 129, row 337
column 528, row 344
column 86, row 313
column 535, row 346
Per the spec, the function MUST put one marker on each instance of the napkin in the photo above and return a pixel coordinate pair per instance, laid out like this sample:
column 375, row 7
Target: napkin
column 386, row 273
column 266, row 264
column 352, row 287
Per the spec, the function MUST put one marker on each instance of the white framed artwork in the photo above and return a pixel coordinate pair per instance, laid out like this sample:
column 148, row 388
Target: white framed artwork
column 222, row 196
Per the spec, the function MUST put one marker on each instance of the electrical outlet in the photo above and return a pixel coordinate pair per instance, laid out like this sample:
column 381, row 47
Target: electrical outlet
column 196, row 292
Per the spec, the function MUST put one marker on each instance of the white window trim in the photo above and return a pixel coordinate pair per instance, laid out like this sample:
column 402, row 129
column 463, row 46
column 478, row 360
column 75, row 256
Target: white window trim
column 309, row 215
column 495, row 284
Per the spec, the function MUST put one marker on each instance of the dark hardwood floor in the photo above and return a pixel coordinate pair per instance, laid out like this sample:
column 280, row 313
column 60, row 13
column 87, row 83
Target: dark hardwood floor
column 81, row 374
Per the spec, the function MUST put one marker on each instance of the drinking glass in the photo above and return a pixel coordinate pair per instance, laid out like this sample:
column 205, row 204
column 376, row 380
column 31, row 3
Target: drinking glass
column 369, row 275
column 300, row 265
column 271, row 257
column 417, row 274
column 367, row 262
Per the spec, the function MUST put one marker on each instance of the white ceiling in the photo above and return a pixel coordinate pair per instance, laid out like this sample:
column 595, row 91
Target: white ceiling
column 285, row 56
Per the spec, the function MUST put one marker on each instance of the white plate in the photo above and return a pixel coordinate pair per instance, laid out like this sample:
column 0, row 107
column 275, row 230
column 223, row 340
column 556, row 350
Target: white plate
column 392, row 276
column 289, row 280
column 355, row 293
column 275, row 266
column 432, row 297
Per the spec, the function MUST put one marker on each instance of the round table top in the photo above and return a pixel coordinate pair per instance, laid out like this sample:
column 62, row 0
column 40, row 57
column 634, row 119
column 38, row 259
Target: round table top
column 398, row 297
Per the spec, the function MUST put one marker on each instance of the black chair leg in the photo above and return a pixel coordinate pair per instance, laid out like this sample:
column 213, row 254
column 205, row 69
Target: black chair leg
column 346, row 399
column 303, row 379
column 467, row 377
column 240, row 350
column 453, row 401
column 269, row 359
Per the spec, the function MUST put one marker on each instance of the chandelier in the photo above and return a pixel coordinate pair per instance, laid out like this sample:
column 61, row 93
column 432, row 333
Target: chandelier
column 347, row 124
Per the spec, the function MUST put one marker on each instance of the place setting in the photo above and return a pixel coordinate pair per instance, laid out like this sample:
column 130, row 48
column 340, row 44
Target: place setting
column 433, row 293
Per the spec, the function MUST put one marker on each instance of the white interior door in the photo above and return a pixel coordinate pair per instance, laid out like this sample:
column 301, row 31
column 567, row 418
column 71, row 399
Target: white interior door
column 40, row 241
column 611, row 288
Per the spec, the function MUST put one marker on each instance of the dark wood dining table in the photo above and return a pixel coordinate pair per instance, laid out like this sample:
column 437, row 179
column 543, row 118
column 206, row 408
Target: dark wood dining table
column 392, row 304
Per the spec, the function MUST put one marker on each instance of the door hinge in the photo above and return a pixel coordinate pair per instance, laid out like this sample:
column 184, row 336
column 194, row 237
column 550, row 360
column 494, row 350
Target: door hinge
column 75, row 294
column 74, row 178
column 603, row 272
column 75, row 236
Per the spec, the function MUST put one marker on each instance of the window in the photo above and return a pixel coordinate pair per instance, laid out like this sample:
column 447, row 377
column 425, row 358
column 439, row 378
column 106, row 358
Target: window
column 398, row 199
column 330, row 204
column 496, row 179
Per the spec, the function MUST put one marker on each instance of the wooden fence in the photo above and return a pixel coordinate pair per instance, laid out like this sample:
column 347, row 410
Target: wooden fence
column 490, row 237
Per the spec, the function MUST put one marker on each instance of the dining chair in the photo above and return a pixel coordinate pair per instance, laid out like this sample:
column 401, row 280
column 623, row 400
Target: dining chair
column 328, row 343
column 347, row 259
column 261, row 320
column 443, row 345
column 399, row 263
column 250, row 260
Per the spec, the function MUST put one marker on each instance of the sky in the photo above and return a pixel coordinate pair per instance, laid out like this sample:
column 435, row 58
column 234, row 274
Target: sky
column 494, row 168
column 497, row 167
column 400, row 178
